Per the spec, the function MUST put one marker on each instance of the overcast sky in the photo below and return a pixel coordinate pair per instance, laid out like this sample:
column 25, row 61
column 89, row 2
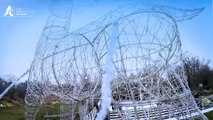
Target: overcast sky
column 19, row 35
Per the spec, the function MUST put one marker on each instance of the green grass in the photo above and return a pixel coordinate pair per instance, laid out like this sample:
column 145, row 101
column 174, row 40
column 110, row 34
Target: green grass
column 17, row 113
column 50, row 111
column 209, row 115
column 12, row 113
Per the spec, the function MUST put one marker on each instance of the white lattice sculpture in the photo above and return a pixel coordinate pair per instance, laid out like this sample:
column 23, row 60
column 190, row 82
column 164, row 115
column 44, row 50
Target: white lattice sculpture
column 71, row 65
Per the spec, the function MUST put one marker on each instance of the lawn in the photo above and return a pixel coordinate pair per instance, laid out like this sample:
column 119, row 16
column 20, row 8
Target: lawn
column 210, row 115
column 17, row 113
column 12, row 113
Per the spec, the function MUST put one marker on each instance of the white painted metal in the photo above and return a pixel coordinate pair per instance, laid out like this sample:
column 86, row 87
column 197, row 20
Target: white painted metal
column 145, row 82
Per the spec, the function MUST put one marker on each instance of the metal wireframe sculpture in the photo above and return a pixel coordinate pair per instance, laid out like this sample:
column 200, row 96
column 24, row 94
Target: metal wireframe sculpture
column 72, row 65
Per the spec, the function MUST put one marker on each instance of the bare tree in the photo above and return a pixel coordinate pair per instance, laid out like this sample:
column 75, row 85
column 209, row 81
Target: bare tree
column 199, row 73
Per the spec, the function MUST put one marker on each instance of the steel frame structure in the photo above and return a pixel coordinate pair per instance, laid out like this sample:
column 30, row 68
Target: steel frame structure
column 145, row 81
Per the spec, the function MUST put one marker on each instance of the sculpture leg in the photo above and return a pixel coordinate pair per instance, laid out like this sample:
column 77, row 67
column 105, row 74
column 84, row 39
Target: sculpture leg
column 66, row 109
column 33, row 103
column 83, row 109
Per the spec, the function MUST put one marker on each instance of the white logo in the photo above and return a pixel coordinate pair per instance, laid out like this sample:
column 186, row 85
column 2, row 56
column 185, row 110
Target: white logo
column 9, row 11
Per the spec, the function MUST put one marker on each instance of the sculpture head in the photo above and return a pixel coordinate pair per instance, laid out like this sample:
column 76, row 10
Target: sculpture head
column 179, row 14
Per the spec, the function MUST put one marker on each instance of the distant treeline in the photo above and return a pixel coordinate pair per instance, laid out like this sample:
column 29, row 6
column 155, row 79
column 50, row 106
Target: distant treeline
column 17, row 93
column 199, row 73
column 199, row 76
